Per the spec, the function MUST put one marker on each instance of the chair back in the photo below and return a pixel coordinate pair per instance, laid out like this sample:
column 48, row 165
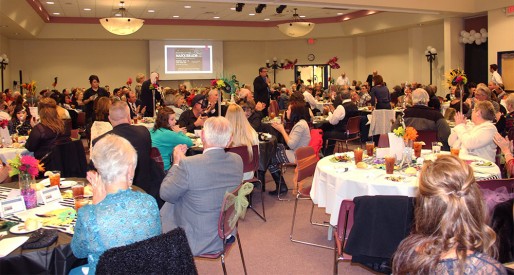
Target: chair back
column 306, row 162
column 69, row 158
column 273, row 107
column 345, row 221
column 157, row 157
column 383, row 141
column 169, row 254
column 353, row 126
column 316, row 140
column 381, row 121
column 497, row 183
column 511, row 133
column 249, row 164
column 74, row 134
column 427, row 136
column 227, row 211
column 81, row 119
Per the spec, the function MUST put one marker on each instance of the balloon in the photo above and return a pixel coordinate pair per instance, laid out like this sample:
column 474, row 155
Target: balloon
column 470, row 41
column 482, row 30
column 466, row 34
column 472, row 32
column 478, row 35
column 471, row 38
column 478, row 41
column 462, row 33
column 483, row 39
column 484, row 35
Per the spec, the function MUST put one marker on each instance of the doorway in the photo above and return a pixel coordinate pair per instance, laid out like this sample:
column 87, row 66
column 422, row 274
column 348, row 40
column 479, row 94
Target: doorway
column 506, row 69
column 313, row 74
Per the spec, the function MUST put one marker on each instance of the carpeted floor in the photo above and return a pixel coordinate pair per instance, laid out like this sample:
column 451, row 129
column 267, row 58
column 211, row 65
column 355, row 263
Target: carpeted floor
column 266, row 245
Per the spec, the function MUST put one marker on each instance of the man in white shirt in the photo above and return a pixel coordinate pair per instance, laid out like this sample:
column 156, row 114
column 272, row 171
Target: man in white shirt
column 343, row 80
column 309, row 98
column 495, row 76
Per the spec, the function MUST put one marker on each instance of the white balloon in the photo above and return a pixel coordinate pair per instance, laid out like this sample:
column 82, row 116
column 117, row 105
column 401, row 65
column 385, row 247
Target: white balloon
column 478, row 35
column 471, row 38
column 461, row 39
column 466, row 34
column 478, row 42
column 462, row 32
column 472, row 32
column 465, row 40
column 482, row 30
column 470, row 41
column 484, row 35
column 483, row 39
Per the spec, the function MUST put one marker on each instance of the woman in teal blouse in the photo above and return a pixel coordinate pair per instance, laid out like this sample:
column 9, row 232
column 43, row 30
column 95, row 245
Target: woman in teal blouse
column 118, row 215
column 166, row 135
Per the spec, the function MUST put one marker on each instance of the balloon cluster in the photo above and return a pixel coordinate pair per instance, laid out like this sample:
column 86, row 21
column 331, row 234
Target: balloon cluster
column 473, row 37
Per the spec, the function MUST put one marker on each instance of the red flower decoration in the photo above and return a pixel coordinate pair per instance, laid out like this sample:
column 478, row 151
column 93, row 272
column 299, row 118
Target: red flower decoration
column 129, row 81
column 290, row 64
column 333, row 63
column 4, row 123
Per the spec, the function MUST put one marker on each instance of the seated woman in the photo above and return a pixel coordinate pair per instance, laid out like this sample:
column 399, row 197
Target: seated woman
column 298, row 137
column 166, row 135
column 242, row 132
column 50, row 132
column 174, row 100
column 20, row 122
column 476, row 138
column 118, row 215
column 450, row 235
column 100, row 123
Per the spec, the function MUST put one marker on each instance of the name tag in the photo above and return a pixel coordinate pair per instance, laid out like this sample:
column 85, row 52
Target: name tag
column 11, row 206
column 49, row 194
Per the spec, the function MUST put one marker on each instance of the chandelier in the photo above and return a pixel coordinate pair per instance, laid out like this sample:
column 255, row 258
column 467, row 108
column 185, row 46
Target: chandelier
column 121, row 24
column 297, row 27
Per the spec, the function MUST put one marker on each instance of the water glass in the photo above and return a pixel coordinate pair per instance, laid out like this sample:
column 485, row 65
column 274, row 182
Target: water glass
column 436, row 148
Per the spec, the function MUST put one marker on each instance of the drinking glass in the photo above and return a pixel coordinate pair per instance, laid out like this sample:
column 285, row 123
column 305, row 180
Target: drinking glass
column 436, row 148
column 80, row 201
column 78, row 189
column 389, row 164
column 455, row 151
column 370, row 146
column 55, row 179
column 417, row 148
column 357, row 154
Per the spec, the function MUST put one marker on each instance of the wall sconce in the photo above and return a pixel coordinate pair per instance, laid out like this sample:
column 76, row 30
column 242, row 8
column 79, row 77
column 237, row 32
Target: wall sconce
column 259, row 8
column 430, row 53
column 239, row 7
column 4, row 60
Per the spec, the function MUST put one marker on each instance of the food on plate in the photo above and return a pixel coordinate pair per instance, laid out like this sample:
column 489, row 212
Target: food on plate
column 411, row 171
column 340, row 158
column 395, row 178
column 31, row 224
column 88, row 191
column 362, row 165
column 483, row 163
column 17, row 145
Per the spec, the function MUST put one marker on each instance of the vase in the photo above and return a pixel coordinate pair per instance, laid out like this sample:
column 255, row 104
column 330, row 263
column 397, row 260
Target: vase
column 407, row 153
column 25, row 181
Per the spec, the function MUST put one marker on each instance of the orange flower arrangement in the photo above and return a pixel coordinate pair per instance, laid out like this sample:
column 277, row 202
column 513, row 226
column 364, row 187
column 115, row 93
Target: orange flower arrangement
column 408, row 133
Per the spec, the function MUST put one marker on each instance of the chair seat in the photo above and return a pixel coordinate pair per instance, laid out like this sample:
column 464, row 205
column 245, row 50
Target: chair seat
column 305, row 191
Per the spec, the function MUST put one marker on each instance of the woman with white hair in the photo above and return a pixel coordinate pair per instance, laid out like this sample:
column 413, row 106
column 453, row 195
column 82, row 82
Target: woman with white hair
column 118, row 215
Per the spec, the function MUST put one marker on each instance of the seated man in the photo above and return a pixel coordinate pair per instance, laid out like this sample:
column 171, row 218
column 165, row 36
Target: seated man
column 195, row 186
column 194, row 118
column 422, row 117
column 139, row 138
column 213, row 108
column 336, row 128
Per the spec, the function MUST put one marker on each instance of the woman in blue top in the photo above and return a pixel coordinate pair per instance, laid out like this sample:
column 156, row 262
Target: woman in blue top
column 166, row 135
column 118, row 215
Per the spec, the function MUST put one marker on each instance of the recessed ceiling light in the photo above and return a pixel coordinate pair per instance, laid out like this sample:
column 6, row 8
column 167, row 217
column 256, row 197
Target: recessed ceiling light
column 339, row 13
column 216, row 17
column 302, row 16
column 50, row 2
column 266, row 19
column 187, row 7
column 56, row 13
column 232, row 9
column 87, row 9
column 150, row 11
column 176, row 16
column 118, row 14
column 346, row 18
column 251, row 14
column 371, row 12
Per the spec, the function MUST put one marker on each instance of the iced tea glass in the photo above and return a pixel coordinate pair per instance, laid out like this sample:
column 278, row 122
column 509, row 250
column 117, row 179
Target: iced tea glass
column 55, row 178
column 389, row 164
column 455, row 151
column 357, row 155
column 417, row 145
column 78, row 189
column 370, row 146
column 80, row 201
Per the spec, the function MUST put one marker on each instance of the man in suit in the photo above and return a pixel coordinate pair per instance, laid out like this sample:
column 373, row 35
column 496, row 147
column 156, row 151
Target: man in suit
column 195, row 186
column 148, row 89
column 139, row 137
column 261, row 89
column 135, row 105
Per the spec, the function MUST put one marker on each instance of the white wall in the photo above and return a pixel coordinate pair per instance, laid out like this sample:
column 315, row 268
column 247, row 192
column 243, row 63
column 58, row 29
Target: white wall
column 501, row 36
column 397, row 55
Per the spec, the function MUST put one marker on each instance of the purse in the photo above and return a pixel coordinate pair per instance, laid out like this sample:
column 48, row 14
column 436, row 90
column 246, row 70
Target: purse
column 41, row 238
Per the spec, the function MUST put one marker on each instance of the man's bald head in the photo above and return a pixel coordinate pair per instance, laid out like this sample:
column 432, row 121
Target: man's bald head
column 119, row 113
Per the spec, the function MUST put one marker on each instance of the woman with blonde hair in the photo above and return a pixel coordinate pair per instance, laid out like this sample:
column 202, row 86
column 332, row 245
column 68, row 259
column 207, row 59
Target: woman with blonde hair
column 243, row 133
column 450, row 234
column 49, row 132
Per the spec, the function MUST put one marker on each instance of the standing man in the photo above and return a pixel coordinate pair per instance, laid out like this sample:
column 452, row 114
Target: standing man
column 195, row 186
column 91, row 94
column 261, row 89
column 149, row 88
column 495, row 76
column 343, row 80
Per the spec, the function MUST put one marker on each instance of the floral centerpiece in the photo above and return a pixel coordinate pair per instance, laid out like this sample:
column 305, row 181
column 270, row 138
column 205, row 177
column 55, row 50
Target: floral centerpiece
column 456, row 77
column 31, row 88
column 400, row 142
column 4, row 123
column 129, row 81
column 27, row 167
column 407, row 133
column 290, row 64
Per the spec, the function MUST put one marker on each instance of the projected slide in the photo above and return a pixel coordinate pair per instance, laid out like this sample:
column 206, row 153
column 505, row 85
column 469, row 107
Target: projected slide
column 182, row 59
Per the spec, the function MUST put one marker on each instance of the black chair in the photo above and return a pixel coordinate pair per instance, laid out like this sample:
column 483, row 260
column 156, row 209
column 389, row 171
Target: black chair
column 156, row 156
column 167, row 253
column 69, row 158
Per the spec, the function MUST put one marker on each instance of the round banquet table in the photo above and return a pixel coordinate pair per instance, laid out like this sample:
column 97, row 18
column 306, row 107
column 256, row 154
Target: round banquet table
column 55, row 259
column 334, row 182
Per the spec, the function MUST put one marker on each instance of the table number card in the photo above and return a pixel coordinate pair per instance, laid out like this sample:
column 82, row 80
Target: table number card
column 11, row 206
column 49, row 194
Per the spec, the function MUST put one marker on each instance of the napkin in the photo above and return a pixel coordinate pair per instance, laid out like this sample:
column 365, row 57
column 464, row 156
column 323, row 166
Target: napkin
column 8, row 245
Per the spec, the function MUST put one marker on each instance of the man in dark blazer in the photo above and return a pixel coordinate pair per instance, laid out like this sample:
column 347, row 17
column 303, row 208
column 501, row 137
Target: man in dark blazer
column 261, row 89
column 139, row 137
column 148, row 89
column 135, row 105
column 195, row 186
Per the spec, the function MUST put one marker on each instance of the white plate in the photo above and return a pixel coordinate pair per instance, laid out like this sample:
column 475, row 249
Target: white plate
column 46, row 182
column 481, row 163
column 20, row 229
column 67, row 183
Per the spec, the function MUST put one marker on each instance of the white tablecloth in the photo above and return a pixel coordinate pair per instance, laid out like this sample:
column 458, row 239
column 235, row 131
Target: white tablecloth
column 331, row 184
